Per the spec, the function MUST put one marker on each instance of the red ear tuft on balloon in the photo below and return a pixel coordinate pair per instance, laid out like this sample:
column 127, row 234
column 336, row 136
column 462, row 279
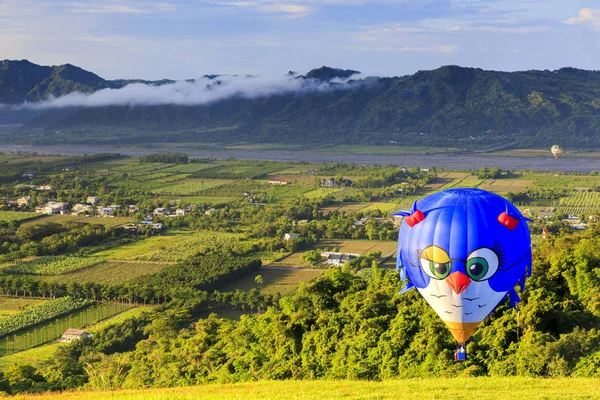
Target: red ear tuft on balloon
column 508, row 221
column 414, row 218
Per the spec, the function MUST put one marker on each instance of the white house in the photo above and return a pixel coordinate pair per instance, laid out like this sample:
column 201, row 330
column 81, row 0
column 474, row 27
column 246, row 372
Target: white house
column 24, row 201
column 81, row 208
column 181, row 212
column 289, row 236
column 92, row 200
column 52, row 207
column 338, row 259
column 74, row 334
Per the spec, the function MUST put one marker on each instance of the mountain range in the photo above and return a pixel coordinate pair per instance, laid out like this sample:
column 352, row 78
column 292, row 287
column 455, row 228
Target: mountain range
column 449, row 106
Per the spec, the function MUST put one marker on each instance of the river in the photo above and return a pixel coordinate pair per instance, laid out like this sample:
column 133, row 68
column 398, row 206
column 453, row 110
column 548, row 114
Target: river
column 446, row 161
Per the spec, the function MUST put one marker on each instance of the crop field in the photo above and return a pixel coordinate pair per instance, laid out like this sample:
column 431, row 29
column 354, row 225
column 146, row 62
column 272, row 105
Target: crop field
column 39, row 313
column 111, row 272
column 52, row 330
column 345, row 207
column 282, row 280
column 32, row 356
column 198, row 199
column 188, row 168
column 109, row 222
column 279, row 193
column 357, row 246
column 190, row 187
column 10, row 216
column 384, row 207
column 12, row 305
column 51, row 265
column 170, row 247
column 321, row 192
column 566, row 181
column 342, row 246
column 241, row 170
column 585, row 200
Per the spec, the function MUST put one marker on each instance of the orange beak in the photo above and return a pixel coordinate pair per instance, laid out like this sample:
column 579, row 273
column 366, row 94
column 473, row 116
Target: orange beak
column 458, row 282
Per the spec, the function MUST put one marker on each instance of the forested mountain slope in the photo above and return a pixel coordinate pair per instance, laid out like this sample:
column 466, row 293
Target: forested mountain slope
column 448, row 106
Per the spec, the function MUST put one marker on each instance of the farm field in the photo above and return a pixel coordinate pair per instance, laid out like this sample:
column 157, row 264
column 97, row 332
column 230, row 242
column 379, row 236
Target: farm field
column 426, row 389
column 110, row 272
column 51, row 330
column 52, row 265
column 109, row 222
column 282, row 280
column 189, row 187
column 166, row 247
column 10, row 216
column 12, row 305
column 343, row 246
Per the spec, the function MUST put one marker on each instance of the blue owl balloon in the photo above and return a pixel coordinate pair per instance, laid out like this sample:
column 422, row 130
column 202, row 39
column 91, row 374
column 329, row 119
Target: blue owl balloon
column 464, row 250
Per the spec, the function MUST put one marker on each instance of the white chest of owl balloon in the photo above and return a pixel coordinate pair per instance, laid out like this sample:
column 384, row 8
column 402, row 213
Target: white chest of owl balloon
column 464, row 250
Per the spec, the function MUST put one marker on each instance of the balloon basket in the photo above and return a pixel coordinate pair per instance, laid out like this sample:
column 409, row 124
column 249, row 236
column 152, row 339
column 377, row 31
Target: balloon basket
column 461, row 353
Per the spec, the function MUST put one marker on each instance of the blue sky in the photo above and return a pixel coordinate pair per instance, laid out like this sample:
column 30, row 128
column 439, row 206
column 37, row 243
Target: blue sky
column 187, row 38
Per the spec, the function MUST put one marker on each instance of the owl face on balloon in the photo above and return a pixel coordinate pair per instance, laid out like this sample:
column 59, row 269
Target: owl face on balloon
column 464, row 250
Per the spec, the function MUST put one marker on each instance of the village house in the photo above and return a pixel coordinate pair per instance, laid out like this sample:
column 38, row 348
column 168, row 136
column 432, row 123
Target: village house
column 181, row 212
column 82, row 208
column 545, row 214
column 277, row 182
column 74, row 334
column 329, row 183
column 43, row 187
column 92, row 200
column 28, row 175
column 338, row 259
column 361, row 222
column 109, row 210
column 132, row 209
column 289, row 236
column 162, row 212
column 24, row 201
column 52, row 207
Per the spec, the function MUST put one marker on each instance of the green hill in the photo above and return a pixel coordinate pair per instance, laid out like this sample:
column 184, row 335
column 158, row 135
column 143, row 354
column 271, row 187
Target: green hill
column 449, row 106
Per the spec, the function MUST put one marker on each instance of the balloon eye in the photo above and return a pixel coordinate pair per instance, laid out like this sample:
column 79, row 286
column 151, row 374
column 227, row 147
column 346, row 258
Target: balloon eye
column 482, row 264
column 435, row 262
column 477, row 268
column 440, row 270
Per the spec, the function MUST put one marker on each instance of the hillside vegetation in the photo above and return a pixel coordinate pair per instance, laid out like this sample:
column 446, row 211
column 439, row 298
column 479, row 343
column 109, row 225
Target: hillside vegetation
column 449, row 106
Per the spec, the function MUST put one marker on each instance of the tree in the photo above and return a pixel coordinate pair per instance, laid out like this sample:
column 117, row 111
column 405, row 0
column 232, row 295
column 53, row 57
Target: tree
column 259, row 279
column 312, row 256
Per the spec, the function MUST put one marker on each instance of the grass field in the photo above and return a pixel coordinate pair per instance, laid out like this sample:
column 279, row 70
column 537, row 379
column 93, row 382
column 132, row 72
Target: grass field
column 168, row 247
column 423, row 389
column 109, row 222
column 12, row 305
column 111, row 271
column 10, row 216
column 282, row 280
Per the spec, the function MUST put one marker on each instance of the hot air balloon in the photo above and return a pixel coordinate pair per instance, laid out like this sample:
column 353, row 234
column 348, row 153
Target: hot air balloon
column 556, row 150
column 464, row 250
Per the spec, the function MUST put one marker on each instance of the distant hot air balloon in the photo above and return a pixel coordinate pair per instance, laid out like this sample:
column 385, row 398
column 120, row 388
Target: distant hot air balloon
column 556, row 150
column 464, row 250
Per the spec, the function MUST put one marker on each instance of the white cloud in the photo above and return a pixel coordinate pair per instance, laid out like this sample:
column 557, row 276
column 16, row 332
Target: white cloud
column 119, row 8
column 191, row 93
column 586, row 16
column 446, row 48
column 273, row 7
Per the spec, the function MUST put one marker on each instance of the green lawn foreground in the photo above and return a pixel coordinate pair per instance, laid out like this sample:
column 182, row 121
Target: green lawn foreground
column 421, row 389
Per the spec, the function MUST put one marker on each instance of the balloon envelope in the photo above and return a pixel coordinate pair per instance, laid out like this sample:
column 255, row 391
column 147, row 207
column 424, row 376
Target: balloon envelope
column 556, row 150
column 464, row 250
